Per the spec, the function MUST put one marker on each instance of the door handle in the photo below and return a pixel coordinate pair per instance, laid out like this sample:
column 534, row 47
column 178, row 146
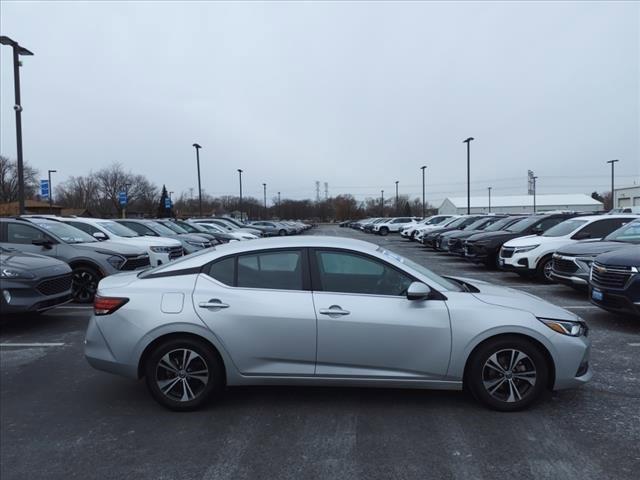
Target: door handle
column 334, row 310
column 213, row 303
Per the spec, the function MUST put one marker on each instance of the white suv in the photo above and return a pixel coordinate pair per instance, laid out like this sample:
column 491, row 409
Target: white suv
column 410, row 230
column 161, row 250
column 422, row 230
column 532, row 255
column 392, row 225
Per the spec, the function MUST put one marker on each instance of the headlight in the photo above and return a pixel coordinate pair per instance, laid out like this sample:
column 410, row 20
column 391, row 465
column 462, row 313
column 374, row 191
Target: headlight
column 527, row 248
column 635, row 269
column 566, row 327
column 193, row 243
column 161, row 249
column 7, row 272
column 116, row 261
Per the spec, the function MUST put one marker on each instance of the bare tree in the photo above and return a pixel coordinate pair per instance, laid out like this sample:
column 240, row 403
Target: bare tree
column 9, row 180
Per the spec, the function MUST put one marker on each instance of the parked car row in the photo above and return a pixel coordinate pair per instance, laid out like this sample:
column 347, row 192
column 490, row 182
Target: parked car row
column 49, row 260
column 597, row 253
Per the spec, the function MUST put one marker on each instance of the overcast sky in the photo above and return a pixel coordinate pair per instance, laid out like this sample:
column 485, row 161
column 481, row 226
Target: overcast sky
column 354, row 94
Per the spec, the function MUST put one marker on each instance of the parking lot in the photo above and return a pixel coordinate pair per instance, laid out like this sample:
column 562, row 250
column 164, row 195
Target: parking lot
column 62, row 419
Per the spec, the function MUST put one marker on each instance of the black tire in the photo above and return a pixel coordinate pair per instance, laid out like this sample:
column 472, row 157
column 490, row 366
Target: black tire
column 175, row 396
column 85, row 283
column 282, row 232
column 384, row 231
column 413, row 236
column 508, row 386
column 543, row 270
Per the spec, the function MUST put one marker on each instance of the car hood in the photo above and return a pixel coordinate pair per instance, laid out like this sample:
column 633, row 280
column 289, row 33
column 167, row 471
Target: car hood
column 33, row 262
column 518, row 300
column 539, row 240
column 499, row 235
column 462, row 233
column 155, row 241
column 192, row 237
column 591, row 248
column 624, row 257
column 111, row 247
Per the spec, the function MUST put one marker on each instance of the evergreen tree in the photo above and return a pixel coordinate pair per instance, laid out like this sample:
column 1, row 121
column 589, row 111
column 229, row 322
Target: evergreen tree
column 163, row 211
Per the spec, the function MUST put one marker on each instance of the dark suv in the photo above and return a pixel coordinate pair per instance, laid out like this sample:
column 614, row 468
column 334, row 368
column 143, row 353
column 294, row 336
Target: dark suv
column 484, row 247
column 572, row 264
column 615, row 281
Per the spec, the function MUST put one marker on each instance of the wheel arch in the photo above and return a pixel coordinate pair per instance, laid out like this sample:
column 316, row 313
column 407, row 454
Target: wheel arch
column 177, row 335
column 521, row 336
column 83, row 262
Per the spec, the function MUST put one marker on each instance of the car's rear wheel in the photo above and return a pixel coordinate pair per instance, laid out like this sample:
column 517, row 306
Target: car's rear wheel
column 183, row 373
column 84, row 284
column 384, row 231
column 507, row 374
column 282, row 232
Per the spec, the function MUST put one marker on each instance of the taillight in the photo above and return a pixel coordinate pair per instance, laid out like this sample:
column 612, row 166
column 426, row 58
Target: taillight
column 107, row 305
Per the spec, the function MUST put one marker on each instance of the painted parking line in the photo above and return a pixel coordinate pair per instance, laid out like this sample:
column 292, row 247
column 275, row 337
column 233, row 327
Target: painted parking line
column 634, row 344
column 30, row 345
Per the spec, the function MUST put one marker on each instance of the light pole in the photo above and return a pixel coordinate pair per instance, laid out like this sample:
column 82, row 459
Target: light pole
column 17, row 51
column 397, row 212
column 170, row 195
column 489, row 188
column 612, row 162
column 423, row 168
column 240, row 177
column 382, row 202
column 279, row 208
column 468, row 142
column 264, row 189
column 534, row 178
column 51, row 191
column 198, row 147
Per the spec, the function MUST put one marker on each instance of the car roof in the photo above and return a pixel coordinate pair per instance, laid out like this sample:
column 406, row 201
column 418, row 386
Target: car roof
column 592, row 218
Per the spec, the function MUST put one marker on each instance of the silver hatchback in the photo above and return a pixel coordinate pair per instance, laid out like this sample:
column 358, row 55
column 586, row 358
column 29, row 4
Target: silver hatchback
column 329, row 311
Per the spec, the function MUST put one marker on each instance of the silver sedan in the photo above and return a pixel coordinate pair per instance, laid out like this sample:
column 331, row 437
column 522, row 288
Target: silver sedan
column 329, row 311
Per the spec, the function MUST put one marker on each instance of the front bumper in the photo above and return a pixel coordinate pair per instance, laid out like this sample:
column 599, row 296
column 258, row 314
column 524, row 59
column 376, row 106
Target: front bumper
column 25, row 295
column 624, row 301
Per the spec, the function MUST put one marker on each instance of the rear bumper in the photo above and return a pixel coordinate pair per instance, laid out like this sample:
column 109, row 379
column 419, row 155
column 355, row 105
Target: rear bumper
column 99, row 355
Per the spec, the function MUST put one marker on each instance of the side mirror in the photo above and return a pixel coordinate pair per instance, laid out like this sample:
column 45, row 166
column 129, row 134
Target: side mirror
column 418, row 291
column 44, row 243
column 100, row 236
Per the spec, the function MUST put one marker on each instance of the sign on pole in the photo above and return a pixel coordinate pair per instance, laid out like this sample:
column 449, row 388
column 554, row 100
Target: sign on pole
column 167, row 202
column 122, row 198
column 44, row 189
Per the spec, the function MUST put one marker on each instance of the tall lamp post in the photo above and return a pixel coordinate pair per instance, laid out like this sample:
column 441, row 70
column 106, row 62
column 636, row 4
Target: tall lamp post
column 51, row 191
column 382, row 202
column 423, row 200
column 468, row 142
column 534, row 178
column 264, row 189
column 240, row 178
column 198, row 147
column 489, row 188
column 612, row 162
column 17, row 51
column 279, row 208
column 397, row 212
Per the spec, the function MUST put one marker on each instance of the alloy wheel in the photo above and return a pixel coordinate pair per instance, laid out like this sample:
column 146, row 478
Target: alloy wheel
column 85, row 285
column 182, row 375
column 546, row 270
column 509, row 375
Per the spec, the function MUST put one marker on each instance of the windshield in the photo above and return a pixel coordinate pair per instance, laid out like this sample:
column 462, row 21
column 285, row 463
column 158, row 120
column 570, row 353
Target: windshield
column 435, row 220
column 522, row 225
column 478, row 224
column 564, row 228
column 118, row 230
column 161, row 229
column 630, row 233
column 211, row 227
column 443, row 282
column 173, row 226
column 66, row 233
column 499, row 225
column 188, row 227
column 457, row 222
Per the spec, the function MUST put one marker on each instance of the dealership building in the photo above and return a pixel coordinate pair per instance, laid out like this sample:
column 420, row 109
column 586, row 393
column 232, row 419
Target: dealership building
column 578, row 202
column 627, row 197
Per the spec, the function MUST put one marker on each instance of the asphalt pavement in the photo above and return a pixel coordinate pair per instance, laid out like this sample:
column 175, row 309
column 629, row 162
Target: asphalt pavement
column 59, row 418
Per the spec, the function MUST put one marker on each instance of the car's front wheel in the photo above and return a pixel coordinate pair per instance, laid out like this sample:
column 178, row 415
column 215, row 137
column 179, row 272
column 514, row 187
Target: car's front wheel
column 544, row 269
column 282, row 232
column 183, row 373
column 84, row 284
column 384, row 231
column 507, row 373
